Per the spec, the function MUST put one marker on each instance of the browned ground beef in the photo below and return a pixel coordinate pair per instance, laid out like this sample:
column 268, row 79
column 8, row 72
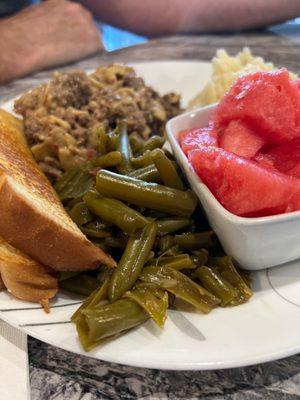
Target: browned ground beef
column 62, row 117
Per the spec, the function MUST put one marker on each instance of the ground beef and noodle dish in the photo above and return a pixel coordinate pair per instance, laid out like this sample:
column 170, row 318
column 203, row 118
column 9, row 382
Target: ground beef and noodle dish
column 62, row 118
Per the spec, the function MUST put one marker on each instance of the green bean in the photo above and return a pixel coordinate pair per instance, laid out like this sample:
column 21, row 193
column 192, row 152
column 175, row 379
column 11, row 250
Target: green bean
column 172, row 251
column 246, row 275
column 71, row 203
column 146, row 194
column 136, row 142
column 104, row 273
column 65, row 179
column 102, row 141
column 76, row 187
column 154, row 142
column 118, row 243
column 153, row 300
column 97, row 298
column 123, row 146
column 170, row 225
column 216, row 284
column 114, row 211
column 151, row 255
column 165, row 242
column 181, row 286
column 95, row 230
column 99, row 242
column 148, row 174
column 167, row 171
column 143, row 160
column 195, row 241
column 155, row 214
column 133, row 259
column 228, row 271
column 80, row 214
column 200, row 257
column 179, row 262
column 80, row 284
column 170, row 156
column 109, row 320
column 112, row 140
column 98, row 224
column 111, row 159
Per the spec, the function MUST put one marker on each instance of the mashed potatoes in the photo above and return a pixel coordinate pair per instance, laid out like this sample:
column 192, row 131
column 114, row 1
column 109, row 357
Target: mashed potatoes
column 225, row 71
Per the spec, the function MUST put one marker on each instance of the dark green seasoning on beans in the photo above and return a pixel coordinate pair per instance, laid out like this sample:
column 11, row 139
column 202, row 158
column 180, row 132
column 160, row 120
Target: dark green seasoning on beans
column 131, row 200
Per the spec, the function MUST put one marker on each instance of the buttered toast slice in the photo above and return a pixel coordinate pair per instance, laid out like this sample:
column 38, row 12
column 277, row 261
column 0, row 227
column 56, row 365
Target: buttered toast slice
column 25, row 278
column 2, row 286
column 32, row 217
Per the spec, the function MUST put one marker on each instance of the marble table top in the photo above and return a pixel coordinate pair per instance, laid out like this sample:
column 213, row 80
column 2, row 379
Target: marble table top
column 59, row 375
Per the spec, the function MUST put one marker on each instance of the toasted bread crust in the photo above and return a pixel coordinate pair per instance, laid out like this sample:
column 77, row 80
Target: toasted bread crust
column 25, row 278
column 2, row 286
column 38, row 236
column 32, row 217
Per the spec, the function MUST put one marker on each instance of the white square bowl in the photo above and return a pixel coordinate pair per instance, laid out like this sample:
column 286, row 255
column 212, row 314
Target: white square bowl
column 254, row 243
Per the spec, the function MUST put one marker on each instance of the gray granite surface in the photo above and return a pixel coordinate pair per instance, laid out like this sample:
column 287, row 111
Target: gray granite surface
column 58, row 375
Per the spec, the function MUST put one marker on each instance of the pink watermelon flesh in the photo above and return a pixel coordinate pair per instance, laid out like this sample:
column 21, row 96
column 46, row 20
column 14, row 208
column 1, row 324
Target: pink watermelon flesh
column 265, row 161
column 241, row 140
column 268, row 102
column 294, row 203
column 194, row 138
column 295, row 171
column 285, row 157
column 242, row 186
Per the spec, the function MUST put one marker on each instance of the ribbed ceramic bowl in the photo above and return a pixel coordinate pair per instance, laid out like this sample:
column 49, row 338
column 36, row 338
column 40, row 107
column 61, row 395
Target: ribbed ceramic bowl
column 255, row 243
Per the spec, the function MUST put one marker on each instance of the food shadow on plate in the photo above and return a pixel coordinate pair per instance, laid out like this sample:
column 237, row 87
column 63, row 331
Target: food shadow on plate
column 185, row 325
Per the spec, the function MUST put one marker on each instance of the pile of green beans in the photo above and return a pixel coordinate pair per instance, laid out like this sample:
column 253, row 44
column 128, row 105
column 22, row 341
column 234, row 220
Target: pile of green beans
column 132, row 201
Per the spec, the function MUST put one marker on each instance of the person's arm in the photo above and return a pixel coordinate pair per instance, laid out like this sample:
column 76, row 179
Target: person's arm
column 45, row 35
column 161, row 17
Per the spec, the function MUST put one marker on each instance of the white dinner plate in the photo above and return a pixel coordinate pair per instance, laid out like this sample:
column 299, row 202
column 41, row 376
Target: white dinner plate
column 264, row 329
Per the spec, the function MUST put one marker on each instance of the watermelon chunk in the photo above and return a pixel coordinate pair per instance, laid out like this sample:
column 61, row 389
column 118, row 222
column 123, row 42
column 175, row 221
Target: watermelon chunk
column 268, row 102
column 242, row 186
column 265, row 161
column 295, row 171
column 193, row 138
column 285, row 157
column 241, row 139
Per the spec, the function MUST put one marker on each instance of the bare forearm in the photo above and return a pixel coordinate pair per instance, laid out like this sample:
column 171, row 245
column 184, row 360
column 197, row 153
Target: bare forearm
column 45, row 35
column 159, row 17
column 14, row 62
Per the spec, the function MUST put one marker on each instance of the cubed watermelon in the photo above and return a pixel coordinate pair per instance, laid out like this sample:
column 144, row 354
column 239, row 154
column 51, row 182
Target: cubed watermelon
column 285, row 157
column 191, row 139
column 242, row 186
column 295, row 171
column 269, row 102
column 265, row 161
column 240, row 139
